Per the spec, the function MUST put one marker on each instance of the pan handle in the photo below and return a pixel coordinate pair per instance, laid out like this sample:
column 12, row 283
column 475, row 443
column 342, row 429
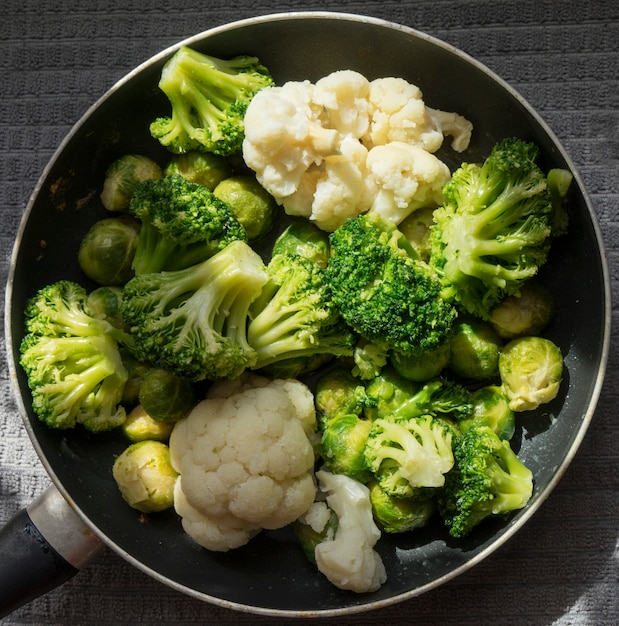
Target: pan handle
column 40, row 548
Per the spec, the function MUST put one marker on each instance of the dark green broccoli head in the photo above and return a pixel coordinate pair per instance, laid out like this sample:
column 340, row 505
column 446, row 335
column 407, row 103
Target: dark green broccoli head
column 193, row 322
column 183, row 224
column 487, row 479
column 493, row 231
column 383, row 291
column 209, row 97
column 295, row 316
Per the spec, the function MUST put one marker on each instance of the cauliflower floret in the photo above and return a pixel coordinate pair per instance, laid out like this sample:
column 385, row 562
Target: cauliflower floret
column 338, row 189
column 349, row 560
column 284, row 135
column 245, row 461
column 407, row 177
column 456, row 126
column 344, row 95
column 400, row 114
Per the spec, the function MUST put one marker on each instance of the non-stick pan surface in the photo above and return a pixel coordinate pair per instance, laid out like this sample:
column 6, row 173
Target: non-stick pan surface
column 271, row 575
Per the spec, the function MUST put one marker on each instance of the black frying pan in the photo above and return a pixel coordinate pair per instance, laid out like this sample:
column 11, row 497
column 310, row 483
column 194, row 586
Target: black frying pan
column 270, row 575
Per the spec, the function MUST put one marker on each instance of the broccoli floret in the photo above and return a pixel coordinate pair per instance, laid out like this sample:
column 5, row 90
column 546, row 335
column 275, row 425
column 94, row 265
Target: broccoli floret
column 393, row 396
column 209, row 97
column 72, row 360
column 487, row 479
column 408, row 454
column 383, row 290
column 295, row 316
column 183, row 224
column 493, row 231
column 193, row 322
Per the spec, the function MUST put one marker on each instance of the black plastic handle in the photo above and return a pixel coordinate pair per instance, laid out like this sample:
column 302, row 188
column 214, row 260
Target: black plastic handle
column 41, row 548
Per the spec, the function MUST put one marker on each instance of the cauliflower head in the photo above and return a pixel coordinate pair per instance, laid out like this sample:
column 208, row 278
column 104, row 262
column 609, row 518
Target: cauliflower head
column 311, row 144
column 245, row 461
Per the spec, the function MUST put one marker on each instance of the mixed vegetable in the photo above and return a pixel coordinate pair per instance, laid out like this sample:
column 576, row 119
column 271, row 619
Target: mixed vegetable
column 333, row 332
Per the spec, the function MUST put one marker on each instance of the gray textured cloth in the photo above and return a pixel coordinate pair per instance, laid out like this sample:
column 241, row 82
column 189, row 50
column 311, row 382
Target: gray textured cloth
column 563, row 56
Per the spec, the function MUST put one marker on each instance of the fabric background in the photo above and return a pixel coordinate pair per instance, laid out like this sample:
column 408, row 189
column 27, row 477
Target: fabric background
column 563, row 56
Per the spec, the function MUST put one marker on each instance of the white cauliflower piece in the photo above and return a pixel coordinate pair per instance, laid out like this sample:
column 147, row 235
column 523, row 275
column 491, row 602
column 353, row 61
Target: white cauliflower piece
column 400, row 114
column 337, row 189
column 349, row 560
column 345, row 96
column 407, row 178
column 245, row 461
column 284, row 135
column 456, row 126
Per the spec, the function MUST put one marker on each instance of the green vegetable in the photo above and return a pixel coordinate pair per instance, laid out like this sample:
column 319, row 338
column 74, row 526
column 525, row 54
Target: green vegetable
column 527, row 312
column 392, row 396
column 416, row 228
column 209, row 97
column 145, row 476
column 531, row 370
column 491, row 408
column 204, row 168
column 72, row 360
column 339, row 393
column 304, row 238
column 474, row 349
column 193, row 321
column 140, row 426
column 104, row 303
column 493, row 231
column 165, row 396
column 487, row 479
column 407, row 454
column 294, row 315
column 383, row 292
column 183, row 224
column 424, row 366
column 559, row 182
column 253, row 206
column 342, row 446
column 399, row 515
column 310, row 532
column 107, row 250
column 369, row 359
column 121, row 178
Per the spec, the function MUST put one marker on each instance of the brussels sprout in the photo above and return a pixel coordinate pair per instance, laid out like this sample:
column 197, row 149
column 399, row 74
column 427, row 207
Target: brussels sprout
column 104, row 303
column 253, row 206
column 531, row 369
column 145, row 476
column 318, row 524
column 526, row 313
column 136, row 371
column 387, row 393
column 491, row 408
column 296, row 366
column 339, row 393
column 140, row 426
column 205, row 168
column 121, row 178
column 416, row 228
column 423, row 367
column 304, row 238
column 106, row 252
column 342, row 446
column 165, row 396
column 474, row 349
column 399, row 515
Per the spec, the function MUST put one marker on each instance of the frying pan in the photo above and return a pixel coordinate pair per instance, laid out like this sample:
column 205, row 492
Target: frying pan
column 84, row 511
